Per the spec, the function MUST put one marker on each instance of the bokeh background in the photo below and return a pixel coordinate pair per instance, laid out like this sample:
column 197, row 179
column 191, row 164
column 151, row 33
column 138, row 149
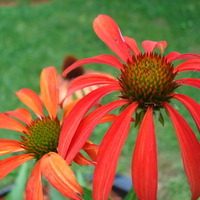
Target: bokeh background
column 38, row 34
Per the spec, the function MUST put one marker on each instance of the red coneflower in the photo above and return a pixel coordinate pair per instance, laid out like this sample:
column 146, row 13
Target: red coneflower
column 39, row 141
column 146, row 85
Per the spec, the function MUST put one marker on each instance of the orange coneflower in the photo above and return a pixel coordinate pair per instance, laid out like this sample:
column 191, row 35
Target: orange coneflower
column 40, row 140
column 146, row 85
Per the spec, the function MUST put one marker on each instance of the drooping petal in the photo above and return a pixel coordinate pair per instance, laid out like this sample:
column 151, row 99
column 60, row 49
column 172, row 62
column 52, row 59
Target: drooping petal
column 49, row 90
column 60, row 176
column 32, row 100
column 88, row 80
column 8, row 122
column 91, row 149
column 22, row 114
column 87, row 125
column 144, row 162
column 9, row 164
column 103, row 59
column 108, row 31
column 149, row 46
column 132, row 45
column 190, row 148
column 34, row 184
column 195, row 82
column 9, row 146
column 189, row 65
column 192, row 106
column 82, row 160
column 109, row 152
column 77, row 113
column 177, row 56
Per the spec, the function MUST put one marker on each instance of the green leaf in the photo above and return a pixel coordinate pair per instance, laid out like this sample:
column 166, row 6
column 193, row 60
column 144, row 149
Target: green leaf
column 159, row 116
column 20, row 183
column 131, row 195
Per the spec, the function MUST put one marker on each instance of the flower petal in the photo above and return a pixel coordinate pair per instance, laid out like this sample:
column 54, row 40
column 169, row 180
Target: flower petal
column 109, row 152
column 22, row 114
column 91, row 149
column 144, row 163
column 82, row 160
column 195, row 82
column 32, row 100
column 191, row 105
column 149, row 46
column 104, row 59
column 8, row 122
column 177, row 56
column 189, row 65
column 9, row 146
column 9, row 164
column 132, row 45
column 34, row 184
column 88, row 80
column 60, row 176
column 80, row 109
column 49, row 90
column 87, row 125
column 107, row 118
column 108, row 31
column 190, row 148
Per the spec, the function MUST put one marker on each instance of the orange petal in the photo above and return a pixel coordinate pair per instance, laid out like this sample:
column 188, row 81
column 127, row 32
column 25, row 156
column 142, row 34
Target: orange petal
column 21, row 114
column 133, row 45
column 149, row 46
column 69, row 108
column 34, row 184
column 9, row 146
column 32, row 100
column 91, row 149
column 9, row 164
column 49, row 90
column 59, row 174
column 82, row 160
column 108, row 31
column 8, row 122
column 108, row 118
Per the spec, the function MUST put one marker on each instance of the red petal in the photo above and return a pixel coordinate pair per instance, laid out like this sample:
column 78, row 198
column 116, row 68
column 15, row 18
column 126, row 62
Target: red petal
column 88, row 80
column 34, row 184
column 108, row 31
column 189, row 81
column 9, row 164
column 104, row 59
column 82, row 160
column 191, row 105
column 109, row 152
column 21, row 114
column 9, row 146
column 149, row 46
column 132, row 45
column 144, row 163
column 87, row 125
column 80, row 109
column 190, row 148
column 189, row 65
column 32, row 100
column 177, row 56
column 49, row 90
column 60, row 176
column 7, row 122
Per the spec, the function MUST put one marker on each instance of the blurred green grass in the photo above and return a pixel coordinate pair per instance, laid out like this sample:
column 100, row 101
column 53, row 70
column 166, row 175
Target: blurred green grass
column 34, row 37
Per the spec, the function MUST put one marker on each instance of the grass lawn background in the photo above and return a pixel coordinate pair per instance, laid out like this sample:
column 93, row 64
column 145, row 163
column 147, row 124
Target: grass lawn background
column 36, row 36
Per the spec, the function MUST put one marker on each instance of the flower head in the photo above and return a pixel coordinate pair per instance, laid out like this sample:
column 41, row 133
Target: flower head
column 147, row 84
column 40, row 140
